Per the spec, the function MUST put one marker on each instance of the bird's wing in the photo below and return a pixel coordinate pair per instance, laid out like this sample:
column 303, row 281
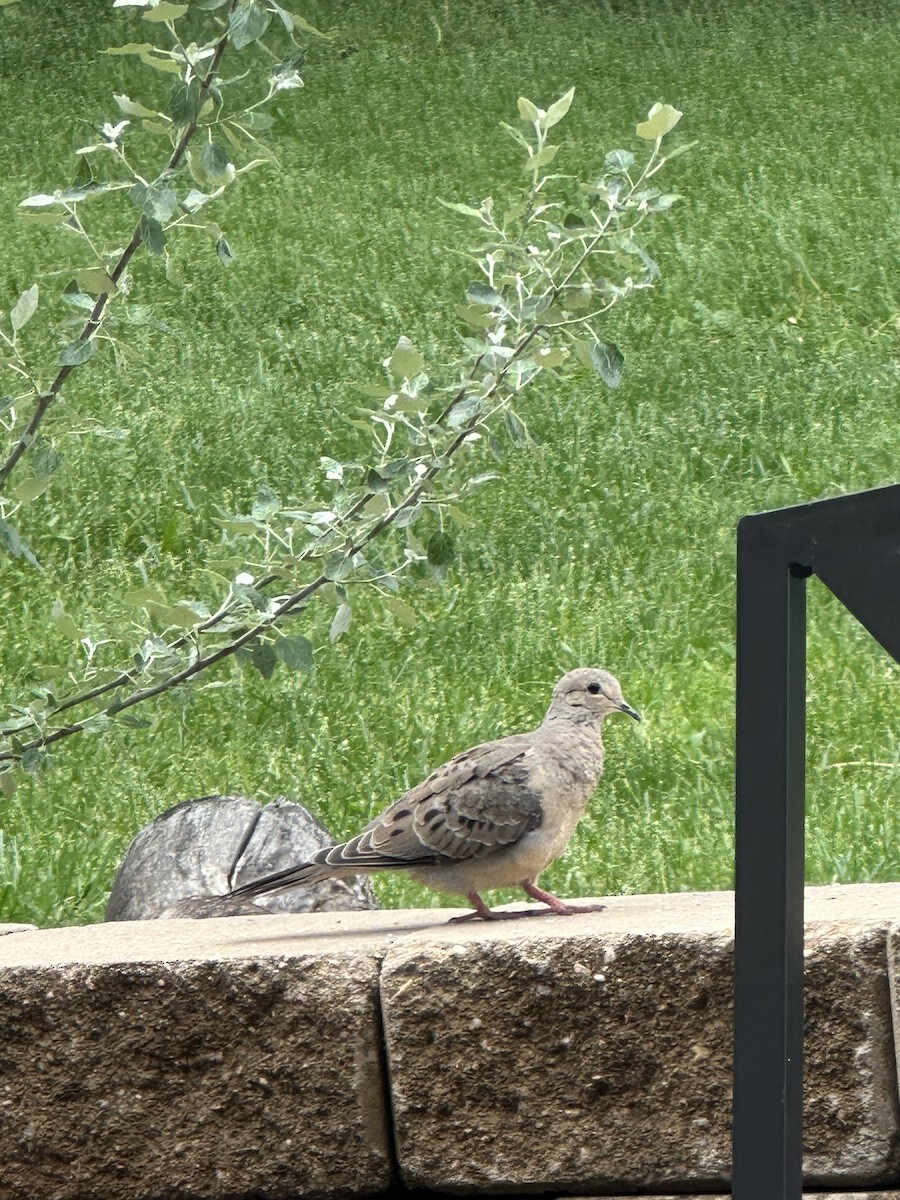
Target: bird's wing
column 474, row 805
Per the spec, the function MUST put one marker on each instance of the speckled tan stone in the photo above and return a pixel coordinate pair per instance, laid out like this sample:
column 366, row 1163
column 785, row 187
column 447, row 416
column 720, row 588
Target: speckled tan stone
column 594, row 1052
column 218, row 1058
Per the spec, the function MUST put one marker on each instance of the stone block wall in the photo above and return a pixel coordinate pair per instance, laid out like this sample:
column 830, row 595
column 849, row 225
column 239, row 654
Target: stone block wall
column 343, row 1054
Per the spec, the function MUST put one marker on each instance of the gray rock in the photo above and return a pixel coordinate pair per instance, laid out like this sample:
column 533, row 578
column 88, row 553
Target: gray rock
column 185, row 861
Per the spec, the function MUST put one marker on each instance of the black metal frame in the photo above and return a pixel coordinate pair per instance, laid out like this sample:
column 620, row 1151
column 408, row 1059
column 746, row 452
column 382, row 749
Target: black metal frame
column 852, row 544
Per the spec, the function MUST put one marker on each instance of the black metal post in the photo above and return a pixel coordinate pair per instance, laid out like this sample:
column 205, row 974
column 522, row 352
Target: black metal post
column 769, row 868
column 852, row 543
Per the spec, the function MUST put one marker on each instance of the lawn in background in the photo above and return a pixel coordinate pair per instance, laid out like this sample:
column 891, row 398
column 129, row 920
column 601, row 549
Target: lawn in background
column 762, row 371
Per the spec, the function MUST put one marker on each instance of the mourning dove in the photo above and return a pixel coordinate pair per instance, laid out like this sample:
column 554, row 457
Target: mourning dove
column 494, row 816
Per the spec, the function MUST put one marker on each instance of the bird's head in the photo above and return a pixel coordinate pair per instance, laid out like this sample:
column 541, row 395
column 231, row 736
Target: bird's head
column 588, row 694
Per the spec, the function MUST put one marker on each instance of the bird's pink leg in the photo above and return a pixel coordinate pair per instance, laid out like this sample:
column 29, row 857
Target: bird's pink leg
column 482, row 912
column 556, row 905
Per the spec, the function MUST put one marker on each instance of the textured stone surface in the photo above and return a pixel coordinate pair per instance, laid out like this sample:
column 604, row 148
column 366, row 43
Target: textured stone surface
column 181, row 1060
column 851, row 1117
column 594, row 1052
column 188, row 857
column 879, row 1195
column 194, row 1059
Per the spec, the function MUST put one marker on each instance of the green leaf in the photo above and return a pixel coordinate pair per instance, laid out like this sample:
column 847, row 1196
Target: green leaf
column 683, row 149
column 663, row 203
column 544, row 156
column 401, row 610
column 337, row 565
column 184, row 103
column 44, row 456
column 380, row 391
column 465, row 209
column 166, row 12
column 155, row 200
column 132, row 107
column 517, row 430
column 24, row 308
column 264, row 658
column 605, row 359
column 153, row 235
column 246, row 23
column 296, row 653
column 249, row 595
column 266, row 503
column 406, row 362
column 481, row 293
column 41, row 200
column 168, row 66
column 475, row 315
column 440, row 549
column 15, row 544
column 557, row 111
column 528, row 111
column 660, row 119
column 224, row 251
column 95, row 281
column 286, row 19
column 194, row 200
column 551, row 356
column 7, row 776
column 302, row 23
column 255, row 120
column 375, row 481
column 32, row 760
column 77, row 352
column 131, row 48
column 210, row 165
column 407, row 516
column 341, row 622
column 619, row 160
column 30, row 489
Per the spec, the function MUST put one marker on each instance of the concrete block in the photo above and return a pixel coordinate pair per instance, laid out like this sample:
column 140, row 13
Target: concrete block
column 594, row 1052
column 212, row 1059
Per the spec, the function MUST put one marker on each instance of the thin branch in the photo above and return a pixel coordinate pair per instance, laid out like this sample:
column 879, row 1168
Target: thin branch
column 287, row 606
column 95, row 320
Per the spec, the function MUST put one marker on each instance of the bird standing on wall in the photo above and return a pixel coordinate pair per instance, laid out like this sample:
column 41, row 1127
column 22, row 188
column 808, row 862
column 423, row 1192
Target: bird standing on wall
column 494, row 816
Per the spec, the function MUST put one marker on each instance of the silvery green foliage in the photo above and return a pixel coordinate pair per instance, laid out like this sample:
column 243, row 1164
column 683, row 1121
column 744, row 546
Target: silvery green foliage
column 547, row 266
column 201, row 133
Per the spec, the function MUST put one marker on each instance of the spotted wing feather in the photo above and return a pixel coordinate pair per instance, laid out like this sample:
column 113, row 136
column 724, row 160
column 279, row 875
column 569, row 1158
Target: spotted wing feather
column 472, row 806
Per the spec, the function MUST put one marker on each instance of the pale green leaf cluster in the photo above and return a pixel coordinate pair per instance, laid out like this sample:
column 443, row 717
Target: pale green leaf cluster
column 547, row 266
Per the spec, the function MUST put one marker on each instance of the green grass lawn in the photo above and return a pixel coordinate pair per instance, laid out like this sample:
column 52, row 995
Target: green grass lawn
column 761, row 371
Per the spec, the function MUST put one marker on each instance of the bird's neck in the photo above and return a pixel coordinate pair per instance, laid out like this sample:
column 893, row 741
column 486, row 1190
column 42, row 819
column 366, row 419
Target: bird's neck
column 579, row 718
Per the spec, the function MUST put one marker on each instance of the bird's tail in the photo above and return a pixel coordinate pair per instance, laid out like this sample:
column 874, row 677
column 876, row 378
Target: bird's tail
column 308, row 873
column 349, row 858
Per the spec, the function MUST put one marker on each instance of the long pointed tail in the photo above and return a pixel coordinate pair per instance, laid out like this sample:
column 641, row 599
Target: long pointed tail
column 311, row 872
column 349, row 858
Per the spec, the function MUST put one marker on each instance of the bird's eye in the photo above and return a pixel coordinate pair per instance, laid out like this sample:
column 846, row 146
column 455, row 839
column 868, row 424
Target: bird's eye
column 594, row 688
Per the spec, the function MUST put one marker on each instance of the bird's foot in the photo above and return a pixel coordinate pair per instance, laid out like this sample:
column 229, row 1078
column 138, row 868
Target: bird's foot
column 483, row 913
column 555, row 905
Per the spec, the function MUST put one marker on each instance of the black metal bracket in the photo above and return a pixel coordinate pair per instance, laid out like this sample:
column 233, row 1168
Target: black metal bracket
column 852, row 543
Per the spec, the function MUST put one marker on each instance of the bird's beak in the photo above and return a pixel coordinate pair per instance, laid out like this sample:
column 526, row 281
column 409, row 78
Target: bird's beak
column 625, row 707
